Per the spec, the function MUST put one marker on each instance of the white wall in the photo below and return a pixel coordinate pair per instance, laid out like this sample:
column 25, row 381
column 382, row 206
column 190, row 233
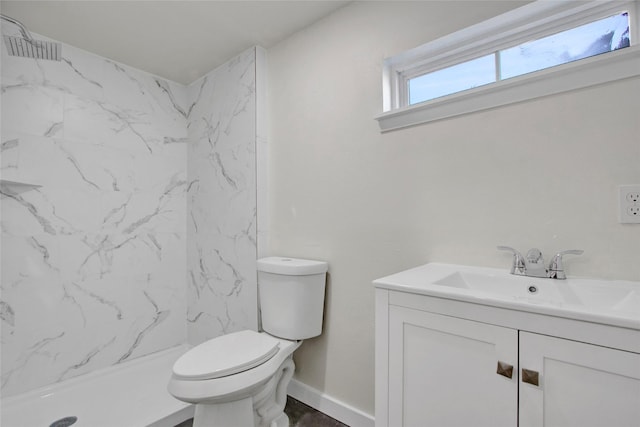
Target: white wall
column 106, row 261
column 542, row 173
column 221, row 227
column 93, row 261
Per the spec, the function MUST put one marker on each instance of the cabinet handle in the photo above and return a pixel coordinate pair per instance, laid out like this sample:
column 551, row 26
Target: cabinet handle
column 504, row 369
column 530, row 377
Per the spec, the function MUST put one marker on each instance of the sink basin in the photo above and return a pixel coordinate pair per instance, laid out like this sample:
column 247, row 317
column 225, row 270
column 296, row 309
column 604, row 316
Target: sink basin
column 603, row 301
column 585, row 293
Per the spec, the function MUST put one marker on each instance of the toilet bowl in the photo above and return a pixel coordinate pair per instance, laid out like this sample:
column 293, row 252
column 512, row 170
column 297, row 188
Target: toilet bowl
column 240, row 379
column 246, row 365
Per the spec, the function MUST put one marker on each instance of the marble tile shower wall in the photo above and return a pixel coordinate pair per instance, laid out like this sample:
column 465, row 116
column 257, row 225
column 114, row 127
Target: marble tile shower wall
column 221, row 283
column 94, row 261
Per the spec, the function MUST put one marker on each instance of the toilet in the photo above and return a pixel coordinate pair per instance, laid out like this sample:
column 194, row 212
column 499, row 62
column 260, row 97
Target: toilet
column 240, row 379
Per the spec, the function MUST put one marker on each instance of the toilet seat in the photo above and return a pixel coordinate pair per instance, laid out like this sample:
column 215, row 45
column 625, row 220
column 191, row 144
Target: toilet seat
column 231, row 387
column 226, row 355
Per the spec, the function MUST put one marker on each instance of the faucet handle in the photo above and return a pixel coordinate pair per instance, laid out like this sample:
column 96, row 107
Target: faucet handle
column 556, row 268
column 571, row 252
column 518, row 259
column 508, row 248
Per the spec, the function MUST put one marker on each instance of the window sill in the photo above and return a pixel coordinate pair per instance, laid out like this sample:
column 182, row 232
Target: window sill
column 581, row 74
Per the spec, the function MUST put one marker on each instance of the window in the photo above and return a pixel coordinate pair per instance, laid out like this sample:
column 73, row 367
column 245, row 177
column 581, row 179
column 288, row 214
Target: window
column 595, row 38
column 456, row 78
column 536, row 50
column 604, row 35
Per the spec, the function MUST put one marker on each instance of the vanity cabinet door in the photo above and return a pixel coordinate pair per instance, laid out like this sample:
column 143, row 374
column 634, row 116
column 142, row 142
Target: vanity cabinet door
column 443, row 371
column 579, row 384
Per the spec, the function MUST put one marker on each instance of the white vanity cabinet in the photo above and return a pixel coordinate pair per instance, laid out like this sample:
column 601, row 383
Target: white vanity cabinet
column 442, row 371
column 443, row 361
column 581, row 384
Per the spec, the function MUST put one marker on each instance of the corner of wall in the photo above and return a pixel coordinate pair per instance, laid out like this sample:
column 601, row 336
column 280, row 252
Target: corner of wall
column 262, row 153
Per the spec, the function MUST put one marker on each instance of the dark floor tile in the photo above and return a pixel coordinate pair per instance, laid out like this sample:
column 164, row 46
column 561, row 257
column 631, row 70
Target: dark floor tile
column 301, row 415
column 187, row 423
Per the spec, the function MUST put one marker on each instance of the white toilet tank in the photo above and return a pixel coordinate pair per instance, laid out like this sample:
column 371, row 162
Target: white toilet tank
column 291, row 296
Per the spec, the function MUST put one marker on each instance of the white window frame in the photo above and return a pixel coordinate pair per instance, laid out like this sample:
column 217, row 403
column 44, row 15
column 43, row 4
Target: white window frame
column 530, row 22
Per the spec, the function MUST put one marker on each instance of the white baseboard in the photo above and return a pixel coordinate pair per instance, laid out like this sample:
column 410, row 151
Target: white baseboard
column 331, row 406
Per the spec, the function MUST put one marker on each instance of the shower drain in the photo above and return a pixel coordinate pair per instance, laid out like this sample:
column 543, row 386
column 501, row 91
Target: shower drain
column 64, row 422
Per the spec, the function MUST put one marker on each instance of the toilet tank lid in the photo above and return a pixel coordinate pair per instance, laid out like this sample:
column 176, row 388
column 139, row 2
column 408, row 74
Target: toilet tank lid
column 292, row 266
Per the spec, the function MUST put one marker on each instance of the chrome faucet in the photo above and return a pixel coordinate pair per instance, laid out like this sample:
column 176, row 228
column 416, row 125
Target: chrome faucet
column 556, row 268
column 518, row 266
column 533, row 264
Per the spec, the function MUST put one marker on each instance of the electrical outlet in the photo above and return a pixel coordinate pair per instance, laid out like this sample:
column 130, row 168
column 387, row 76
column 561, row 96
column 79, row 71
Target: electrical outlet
column 633, row 197
column 629, row 204
column 633, row 211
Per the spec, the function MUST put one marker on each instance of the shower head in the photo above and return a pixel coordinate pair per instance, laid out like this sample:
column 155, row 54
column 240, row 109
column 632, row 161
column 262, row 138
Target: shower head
column 27, row 47
column 37, row 49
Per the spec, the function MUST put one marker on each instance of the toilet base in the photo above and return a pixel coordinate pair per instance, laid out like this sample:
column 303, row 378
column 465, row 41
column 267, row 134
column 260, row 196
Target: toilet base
column 281, row 421
column 264, row 408
column 237, row 413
